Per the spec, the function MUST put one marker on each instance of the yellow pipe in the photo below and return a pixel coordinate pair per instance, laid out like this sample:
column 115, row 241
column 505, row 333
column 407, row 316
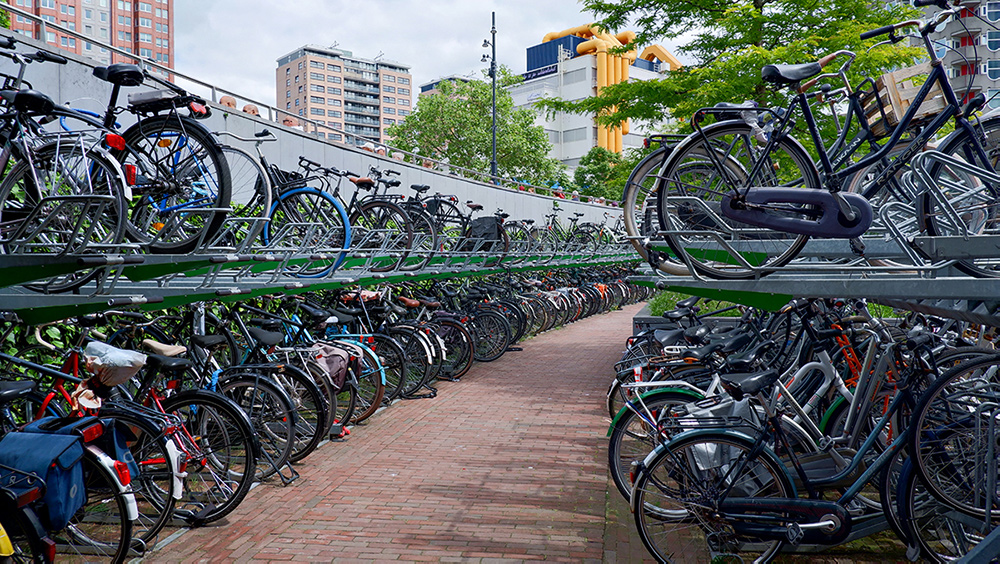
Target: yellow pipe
column 586, row 30
column 602, row 137
column 625, row 37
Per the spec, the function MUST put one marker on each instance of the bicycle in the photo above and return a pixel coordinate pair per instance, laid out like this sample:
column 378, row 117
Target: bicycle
column 739, row 199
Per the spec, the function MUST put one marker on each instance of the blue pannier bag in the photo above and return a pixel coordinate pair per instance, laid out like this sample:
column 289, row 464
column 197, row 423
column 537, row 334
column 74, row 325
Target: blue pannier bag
column 57, row 460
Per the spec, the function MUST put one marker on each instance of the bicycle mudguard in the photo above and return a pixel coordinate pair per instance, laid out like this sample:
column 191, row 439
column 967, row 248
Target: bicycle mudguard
column 648, row 396
column 740, row 512
column 831, row 222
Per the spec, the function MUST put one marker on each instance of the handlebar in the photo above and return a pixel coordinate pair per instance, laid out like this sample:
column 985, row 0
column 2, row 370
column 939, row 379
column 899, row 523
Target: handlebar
column 258, row 137
column 7, row 42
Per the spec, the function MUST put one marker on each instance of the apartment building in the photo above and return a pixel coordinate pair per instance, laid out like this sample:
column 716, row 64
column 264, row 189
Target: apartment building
column 970, row 49
column 355, row 95
column 142, row 27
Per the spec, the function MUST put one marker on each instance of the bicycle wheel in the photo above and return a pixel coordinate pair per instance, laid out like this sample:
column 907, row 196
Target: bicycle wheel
column 458, row 348
column 976, row 203
column 520, row 242
column 953, row 439
column 271, row 414
column 307, row 220
column 221, row 454
column 492, row 334
column 705, row 169
column 69, row 201
column 182, row 181
column 371, row 390
column 394, row 364
column 632, row 437
column 640, row 205
column 674, row 494
column 250, row 201
column 312, row 414
column 419, row 362
column 101, row 529
column 424, row 241
column 384, row 230
column 22, row 528
column 154, row 486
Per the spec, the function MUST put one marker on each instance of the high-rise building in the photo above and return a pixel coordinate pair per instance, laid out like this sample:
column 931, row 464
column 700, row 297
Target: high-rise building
column 141, row 27
column 333, row 87
column 970, row 50
column 577, row 63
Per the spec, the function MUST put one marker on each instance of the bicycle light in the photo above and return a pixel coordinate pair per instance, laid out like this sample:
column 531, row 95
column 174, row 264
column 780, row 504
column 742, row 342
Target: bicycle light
column 164, row 143
column 115, row 141
column 92, row 432
column 121, row 469
column 130, row 174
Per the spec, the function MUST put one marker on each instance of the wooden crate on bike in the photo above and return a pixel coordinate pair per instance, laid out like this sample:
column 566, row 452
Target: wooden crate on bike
column 893, row 95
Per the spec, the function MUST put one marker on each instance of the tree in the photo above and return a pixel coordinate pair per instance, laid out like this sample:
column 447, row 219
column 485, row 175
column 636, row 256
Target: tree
column 596, row 170
column 454, row 126
column 731, row 40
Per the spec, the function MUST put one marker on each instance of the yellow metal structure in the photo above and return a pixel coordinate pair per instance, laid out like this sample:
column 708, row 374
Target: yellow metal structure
column 612, row 68
column 6, row 547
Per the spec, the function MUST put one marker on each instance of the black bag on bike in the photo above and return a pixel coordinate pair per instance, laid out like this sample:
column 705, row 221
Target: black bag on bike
column 56, row 460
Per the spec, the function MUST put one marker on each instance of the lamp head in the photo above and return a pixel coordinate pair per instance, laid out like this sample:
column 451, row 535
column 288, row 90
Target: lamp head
column 486, row 43
column 485, row 59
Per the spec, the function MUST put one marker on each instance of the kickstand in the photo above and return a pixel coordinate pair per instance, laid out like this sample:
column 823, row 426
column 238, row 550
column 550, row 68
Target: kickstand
column 291, row 476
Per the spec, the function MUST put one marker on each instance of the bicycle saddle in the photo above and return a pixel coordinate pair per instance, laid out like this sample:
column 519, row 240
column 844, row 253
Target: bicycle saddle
column 364, row 183
column 13, row 390
column 167, row 363
column 208, row 341
column 528, row 221
column 475, row 207
column 420, row 188
column 28, row 101
column 269, row 338
column 701, row 353
column 687, row 302
column 667, row 337
column 164, row 349
column 578, row 214
column 748, row 384
column 789, row 74
column 266, row 323
column 679, row 313
column 122, row 74
column 407, row 301
column 316, row 315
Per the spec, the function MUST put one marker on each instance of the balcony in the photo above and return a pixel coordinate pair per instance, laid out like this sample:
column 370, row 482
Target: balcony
column 350, row 118
column 363, row 131
column 366, row 76
column 363, row 99
column 367, row 110
column 358, row 87
column 969, row 55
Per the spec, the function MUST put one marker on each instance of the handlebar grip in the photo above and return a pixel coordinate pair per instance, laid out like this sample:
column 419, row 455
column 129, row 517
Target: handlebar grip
column 387, row 171
column 918, row 340
column 882, row 30
column 114, row 302
column 923, row 3
column 304, row 161
column 263, row 133
column 51, row 57
column 7, row 42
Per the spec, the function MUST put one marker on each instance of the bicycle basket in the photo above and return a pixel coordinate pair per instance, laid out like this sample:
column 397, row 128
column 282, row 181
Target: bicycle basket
column 287, row 179
column 893, row 95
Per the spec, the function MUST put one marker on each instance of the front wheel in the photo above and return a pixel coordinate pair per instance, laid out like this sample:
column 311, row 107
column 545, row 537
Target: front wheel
column 702, row 171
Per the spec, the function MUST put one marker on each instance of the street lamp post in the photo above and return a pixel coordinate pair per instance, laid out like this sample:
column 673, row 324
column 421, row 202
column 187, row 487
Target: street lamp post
column 492, row 60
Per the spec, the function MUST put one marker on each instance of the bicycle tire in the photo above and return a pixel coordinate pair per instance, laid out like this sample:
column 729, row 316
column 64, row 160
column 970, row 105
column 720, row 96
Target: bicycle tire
column 371, row 389
column 179, row 165
column 271, row 414
column 221, row 436
column 24, row 531
column 492, row 334
column 250, row 200
column 393, row 363
column 424, row 242
column 976, row 202
column 384, row 230
column 690, row 199
column 47, row 222
column 664, row 523
column 308, row 220
column 458, row 347
column 521, row 243
column 101, row 527
column 639, row 203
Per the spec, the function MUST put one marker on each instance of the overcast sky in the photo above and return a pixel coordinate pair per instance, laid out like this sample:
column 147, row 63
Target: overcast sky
column 234, row 43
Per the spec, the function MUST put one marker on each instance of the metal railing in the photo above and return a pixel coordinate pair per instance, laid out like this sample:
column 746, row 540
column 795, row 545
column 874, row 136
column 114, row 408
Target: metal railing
column 275, row 114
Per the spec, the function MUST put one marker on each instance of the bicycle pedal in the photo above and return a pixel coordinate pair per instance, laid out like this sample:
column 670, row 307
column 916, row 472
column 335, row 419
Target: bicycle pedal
column 858, row 246
column 794, row 533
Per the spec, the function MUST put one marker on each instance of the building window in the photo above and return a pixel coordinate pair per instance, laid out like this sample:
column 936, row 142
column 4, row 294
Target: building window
column 145, row 22
column 335, row 102
column 288, row 93
column 144, row 7
column 404, row 91
column 992, row 40
column 388, row 110
column 389, row 78
column 387, row 88
column 300, row 65
column 993, row 11
column 403, row 112
column 50, row 37
column 317, row 99
column 288, row 82
column 336, row 136
column 162, row 13
column 50, row 4
column 302, row 112
column 87, row 46
column 317, row 88
column 296, row 101
column 403, row 102
column 145, row 38
column 334, row 68
column 300, row 89
column 104, row 32
column 125, row 6
column 388, row 99
column 334, row 90
column 404, row 80
column 288, row 105
column 336, row 125
column 993, row 98
column 296, row 78
column 388, row 121
column 992, row 69
column 334, row 113
column 316, row 64
column 334, row 79
column 316, row 111
column 315, row 76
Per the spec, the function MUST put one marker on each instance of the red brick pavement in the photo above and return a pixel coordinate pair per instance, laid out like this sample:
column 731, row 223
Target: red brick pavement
column 508, row 464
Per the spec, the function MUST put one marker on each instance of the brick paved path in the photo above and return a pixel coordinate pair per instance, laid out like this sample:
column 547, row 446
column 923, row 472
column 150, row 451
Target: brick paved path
column 510, row 463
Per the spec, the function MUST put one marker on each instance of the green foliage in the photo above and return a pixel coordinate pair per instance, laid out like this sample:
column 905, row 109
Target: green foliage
column 730, row 40
column 5, row 17
column 666, row 301
column 455, row 125
column 603, row 173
